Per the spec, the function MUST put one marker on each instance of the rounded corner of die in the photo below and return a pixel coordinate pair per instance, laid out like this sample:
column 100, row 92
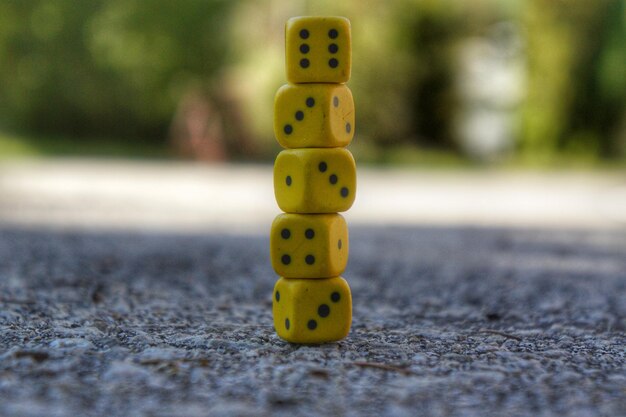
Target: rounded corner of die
column 340, row 220
column 283, row 89
column 349, row 156
column 282, row 332
column 279, row 137
column 348, row 204
column 290, row 208
column 292, row 21
column 348, row 93
column 343, row 19
column 342, row 282
column 282, row 157
column 278, row 220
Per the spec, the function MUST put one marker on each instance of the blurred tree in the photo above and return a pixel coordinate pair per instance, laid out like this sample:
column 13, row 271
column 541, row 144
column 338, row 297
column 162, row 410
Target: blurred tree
column 576, row 89
column 431, row 30
column 105, row 68
column 599, row 100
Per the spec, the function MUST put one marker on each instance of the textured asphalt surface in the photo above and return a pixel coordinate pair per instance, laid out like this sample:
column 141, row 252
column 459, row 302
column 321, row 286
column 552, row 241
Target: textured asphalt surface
column 447, row 322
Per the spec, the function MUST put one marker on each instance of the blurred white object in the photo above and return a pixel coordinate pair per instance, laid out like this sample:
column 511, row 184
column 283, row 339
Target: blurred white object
column 490, row 84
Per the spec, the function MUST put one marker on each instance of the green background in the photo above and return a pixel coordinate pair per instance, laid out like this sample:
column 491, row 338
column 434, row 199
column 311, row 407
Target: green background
column 120, row 78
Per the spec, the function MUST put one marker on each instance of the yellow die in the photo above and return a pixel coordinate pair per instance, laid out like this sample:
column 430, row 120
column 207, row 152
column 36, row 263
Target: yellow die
column 312, row 310
column 318, row 49
column 309, row 245
column 315, row 180
column 314, row 116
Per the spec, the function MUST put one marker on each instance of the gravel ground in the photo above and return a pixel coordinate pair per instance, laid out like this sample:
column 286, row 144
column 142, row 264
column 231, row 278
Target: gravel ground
column 447, row 322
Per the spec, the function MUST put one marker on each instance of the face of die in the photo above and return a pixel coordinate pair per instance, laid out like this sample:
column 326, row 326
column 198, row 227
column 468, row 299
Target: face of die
column 309, row 245
column 315, row 180
column 314, row 115
column 312, row 310
column 318, row 49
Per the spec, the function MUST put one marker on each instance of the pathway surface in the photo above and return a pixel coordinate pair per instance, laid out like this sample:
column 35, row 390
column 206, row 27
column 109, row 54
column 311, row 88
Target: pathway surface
column 192, row 197
column 124, row 318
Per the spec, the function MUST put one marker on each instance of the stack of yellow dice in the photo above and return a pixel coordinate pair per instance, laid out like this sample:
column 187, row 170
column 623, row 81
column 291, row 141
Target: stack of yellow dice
column 314, row 179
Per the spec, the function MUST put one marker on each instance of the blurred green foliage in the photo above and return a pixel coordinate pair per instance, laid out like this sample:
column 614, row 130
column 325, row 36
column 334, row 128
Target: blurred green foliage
column 104, row 68
column 122, row 68
column 576, row 100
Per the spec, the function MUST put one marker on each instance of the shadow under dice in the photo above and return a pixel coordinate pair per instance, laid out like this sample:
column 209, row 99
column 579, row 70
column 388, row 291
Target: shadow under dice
column 314, row 116
column 309, row 245
column 318, row 50
column 316, row 180
column 312, row 310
